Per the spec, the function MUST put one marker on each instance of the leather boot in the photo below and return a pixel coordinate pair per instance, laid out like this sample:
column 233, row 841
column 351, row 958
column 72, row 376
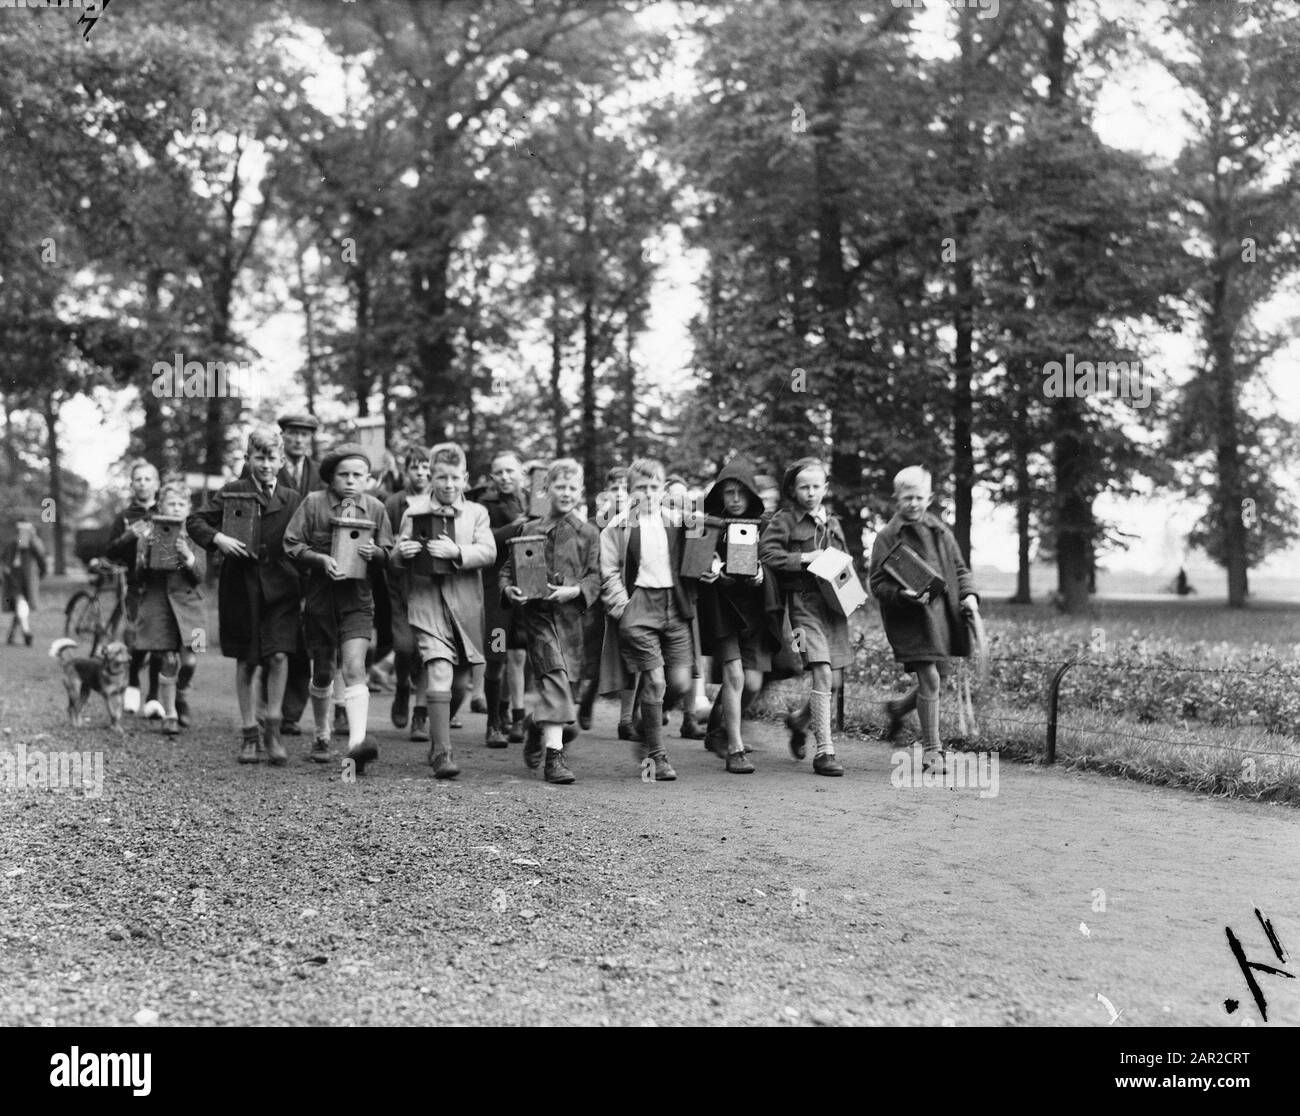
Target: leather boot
column 248, row 749
column 555, row 771
column 652, row 723
column 444, row 766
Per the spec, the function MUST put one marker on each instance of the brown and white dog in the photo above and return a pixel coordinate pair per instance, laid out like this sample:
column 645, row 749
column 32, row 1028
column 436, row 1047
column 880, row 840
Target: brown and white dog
column 105, row 675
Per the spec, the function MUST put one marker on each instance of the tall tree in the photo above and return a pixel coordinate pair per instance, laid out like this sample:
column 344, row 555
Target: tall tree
column 1239, row 180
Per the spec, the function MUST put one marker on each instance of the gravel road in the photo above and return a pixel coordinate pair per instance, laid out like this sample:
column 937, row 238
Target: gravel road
column 195, row 891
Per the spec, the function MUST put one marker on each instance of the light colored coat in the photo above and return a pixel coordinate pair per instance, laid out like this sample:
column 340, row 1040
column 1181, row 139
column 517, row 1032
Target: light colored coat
column 461, row 592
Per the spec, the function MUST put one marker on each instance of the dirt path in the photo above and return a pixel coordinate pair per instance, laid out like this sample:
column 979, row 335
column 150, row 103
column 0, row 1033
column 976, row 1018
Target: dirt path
column 212, row 893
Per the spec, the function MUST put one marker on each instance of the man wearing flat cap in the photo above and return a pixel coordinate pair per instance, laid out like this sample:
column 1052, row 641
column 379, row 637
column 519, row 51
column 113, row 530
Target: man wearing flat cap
column 299, row 470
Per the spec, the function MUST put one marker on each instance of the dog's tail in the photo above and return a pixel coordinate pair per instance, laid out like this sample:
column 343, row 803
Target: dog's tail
column 61, row 645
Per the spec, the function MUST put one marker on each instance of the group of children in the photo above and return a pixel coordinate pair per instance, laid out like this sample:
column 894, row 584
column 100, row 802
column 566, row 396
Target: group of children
column 616, row 612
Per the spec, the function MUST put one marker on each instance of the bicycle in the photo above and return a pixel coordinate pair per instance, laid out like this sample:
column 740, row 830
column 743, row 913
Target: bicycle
column 84, row 615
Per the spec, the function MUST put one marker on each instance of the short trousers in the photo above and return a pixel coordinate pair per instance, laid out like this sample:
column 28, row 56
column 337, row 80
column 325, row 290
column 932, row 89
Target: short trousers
column 554, row 698
column 653, row 633
column 440, row 645
column 749, row 650
column 945, row 666
column 336, row 611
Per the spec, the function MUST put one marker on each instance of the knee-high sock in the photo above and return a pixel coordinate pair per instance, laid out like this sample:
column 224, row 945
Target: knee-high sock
column 167, row 694
column 322, row 697
column 553, row 736
column 652, row 727
column 155, row 670
column 492, row 695
column 626, row 703
column 356, row 700
column 928, row 711
column 821, row 722
column 186, row 676
column 440, row 719
column 339, row 687
column 460, row 682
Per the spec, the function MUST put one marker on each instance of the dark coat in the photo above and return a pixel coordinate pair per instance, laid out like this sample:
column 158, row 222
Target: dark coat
column 938, row 630
column 403, row 637
column 502, row 511
column 554, row 632
column 745, row 609
column 258, row 600
column 311, row 478
column 21, row 572
column 171, row 615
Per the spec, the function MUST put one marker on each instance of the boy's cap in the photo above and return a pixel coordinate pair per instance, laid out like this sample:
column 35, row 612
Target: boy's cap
column 300, row 419
column 335, row 456
column 787, row 482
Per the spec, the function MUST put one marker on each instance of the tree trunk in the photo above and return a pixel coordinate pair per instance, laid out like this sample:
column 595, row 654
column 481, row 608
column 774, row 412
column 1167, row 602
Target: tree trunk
column 833, row 295
column 557, row 367
column 1227, row 448
column 1024, row 499
column 56, row 481
column 963, row 463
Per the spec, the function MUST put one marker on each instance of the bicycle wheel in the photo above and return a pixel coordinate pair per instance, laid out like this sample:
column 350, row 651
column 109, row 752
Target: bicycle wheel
column 84, row 619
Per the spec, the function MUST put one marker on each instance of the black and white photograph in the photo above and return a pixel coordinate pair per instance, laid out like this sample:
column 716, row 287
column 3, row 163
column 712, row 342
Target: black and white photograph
column 651, row 514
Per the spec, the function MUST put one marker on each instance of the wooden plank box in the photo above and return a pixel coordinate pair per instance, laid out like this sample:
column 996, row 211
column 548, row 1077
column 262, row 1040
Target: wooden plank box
column 913, row 572
column 348, row 535
column 241, row 519
column 529, row 555
column 697, row 552
column 539, row 503
column 164, row 532
column 741, row 557
column 427, row 526
column 839, row 584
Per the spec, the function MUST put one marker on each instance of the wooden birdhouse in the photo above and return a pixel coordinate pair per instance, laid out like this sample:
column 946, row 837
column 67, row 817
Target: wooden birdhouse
column 164, row 532
column 539, row 503
column 425, row 527
column 741, row 557
column 699, row 547
column 839, row 584
column 529, row 555
column 241, row 518
column 349, row 534
column 913, row 572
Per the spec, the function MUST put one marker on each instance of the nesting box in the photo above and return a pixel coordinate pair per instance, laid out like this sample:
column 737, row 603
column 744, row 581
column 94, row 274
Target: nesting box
column 349, row 534
column 913, row 572
column 837, row 581
column 241, row 517
column 741, row 557
column 529, row 555
column 539, row 504
column 164, row 533
column 427, row 526
column 698, row 551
